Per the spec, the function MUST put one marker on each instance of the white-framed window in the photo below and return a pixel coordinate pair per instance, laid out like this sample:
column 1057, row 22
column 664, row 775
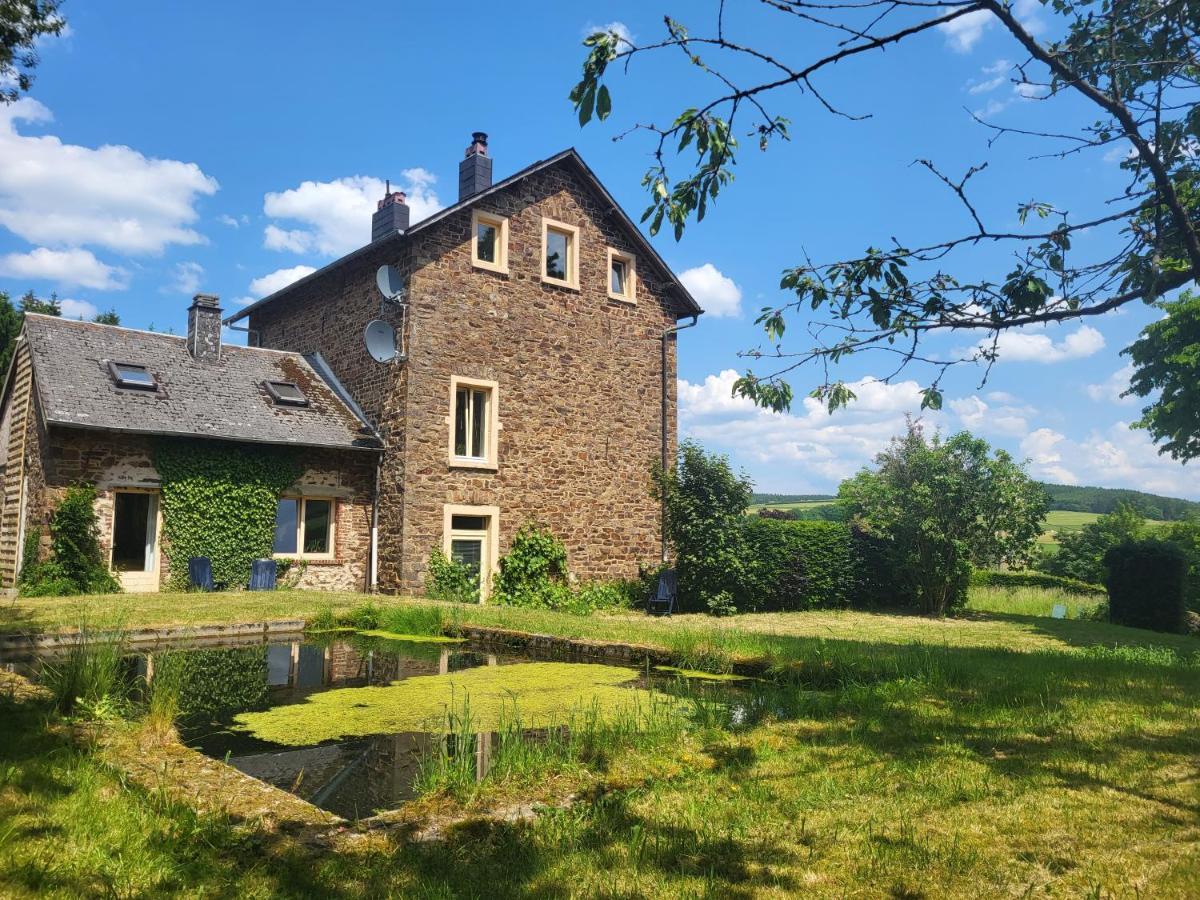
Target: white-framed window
column 560, row 254
column 474, row 423
column 305, row 527
column 622, row 276
column 489, row 241
column 471, row 538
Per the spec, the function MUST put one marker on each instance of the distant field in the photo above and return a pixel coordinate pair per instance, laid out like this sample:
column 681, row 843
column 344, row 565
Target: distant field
column 1058, row 521
column 1061, row 521
column 801, row 504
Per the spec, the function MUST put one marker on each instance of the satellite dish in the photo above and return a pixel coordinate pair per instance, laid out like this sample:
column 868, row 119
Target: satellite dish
column 380, row 338
column 391, row 285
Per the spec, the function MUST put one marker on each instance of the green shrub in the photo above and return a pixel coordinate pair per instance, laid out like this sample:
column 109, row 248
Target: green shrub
column 89, row 675
column 705, row 505
column 796, row 564
column 996, row 578
column 534, row 571
column 448, row 580
column 76, row 564
column 1146, row 581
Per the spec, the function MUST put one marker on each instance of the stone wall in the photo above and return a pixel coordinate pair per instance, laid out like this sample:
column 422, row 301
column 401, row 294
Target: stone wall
column 110, row 461
column 578, row 375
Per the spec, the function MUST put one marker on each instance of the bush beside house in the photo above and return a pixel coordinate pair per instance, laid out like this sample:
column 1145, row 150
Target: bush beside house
column 76, row 562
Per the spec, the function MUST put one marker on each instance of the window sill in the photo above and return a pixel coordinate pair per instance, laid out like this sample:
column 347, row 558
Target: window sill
column 489, row 267
column 310, row 560
column 459, row 462
column 621, row 298
column 567, row 285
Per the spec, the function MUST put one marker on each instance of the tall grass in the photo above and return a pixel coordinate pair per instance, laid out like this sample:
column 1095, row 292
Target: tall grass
column 88, row 678
column 1034, row 601
column 465, row 761
column 162, row 694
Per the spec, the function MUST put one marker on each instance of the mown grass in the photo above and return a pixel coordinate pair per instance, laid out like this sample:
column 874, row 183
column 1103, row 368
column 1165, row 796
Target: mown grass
column 991, row 755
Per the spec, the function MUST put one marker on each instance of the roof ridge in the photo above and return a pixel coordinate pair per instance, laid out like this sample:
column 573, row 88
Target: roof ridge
column 177, row 337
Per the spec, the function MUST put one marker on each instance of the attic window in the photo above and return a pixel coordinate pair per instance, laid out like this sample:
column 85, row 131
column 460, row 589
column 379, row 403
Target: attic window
column 286, row 393
column 131, row 375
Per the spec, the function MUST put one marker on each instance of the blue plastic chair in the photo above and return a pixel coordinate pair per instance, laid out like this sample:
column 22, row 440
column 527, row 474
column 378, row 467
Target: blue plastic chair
column 262, row 575
column 200, row 573
column 662, row 601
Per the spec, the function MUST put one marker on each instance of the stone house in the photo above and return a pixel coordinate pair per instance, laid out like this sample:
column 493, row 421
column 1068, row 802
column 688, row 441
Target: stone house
column 529, row 376
column 534, row 375
column 88, row 403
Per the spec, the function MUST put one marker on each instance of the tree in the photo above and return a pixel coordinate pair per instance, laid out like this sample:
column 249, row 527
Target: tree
column 946, row 505
column 31, row 303
column 1186, row 536
column 10, row 327
column 22, row 22
column 1133, row 65
column 1081, row 553
column 1166, row 358
column 705, row 503
column 108, row 317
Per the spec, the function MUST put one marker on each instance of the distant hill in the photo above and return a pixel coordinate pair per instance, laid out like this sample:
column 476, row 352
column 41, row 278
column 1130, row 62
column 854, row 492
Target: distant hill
column 1076, row 498
column 763, row 499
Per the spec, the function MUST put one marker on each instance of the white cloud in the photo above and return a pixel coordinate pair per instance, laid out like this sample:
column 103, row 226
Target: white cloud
column 716, row 293
column 620, row 29
column 808, row 448
column 964, row 32
column 110, row 196
column 1038, row 346
column 65, row 267
column 186, row 278
column 277, row 280
column 335, row 216
column 1111, row 388
column 1116, row 456
column 1008, row 418
column 993, row 76
column 233, row 222
column 77, row 309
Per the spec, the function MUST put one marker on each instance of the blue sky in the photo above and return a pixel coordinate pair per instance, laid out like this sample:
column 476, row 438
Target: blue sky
column 172, row 148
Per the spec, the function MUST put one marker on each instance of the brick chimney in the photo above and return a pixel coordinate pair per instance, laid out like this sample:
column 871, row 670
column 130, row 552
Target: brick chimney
column 475, row 172
column 204, row 328
column 391, row 214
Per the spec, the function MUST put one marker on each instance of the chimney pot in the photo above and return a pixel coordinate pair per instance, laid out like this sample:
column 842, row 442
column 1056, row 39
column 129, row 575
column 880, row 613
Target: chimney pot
column 204, row 328
column 475, row 171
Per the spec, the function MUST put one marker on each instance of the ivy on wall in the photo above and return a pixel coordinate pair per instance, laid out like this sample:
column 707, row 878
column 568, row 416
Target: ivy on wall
column 219, row 500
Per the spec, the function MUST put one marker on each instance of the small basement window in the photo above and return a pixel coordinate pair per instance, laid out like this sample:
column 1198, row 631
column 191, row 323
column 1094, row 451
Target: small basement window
column 131, row 375
column 286, row 393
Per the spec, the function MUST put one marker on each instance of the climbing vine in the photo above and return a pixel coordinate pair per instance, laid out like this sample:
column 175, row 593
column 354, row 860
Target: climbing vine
column 219, row 500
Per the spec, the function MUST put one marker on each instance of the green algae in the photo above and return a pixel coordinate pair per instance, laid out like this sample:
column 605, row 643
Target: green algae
column 411, row 638
column 698, row 675
column 541, row 694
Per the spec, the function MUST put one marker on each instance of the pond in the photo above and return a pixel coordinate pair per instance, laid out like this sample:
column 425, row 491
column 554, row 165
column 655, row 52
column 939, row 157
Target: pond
column 346, row 721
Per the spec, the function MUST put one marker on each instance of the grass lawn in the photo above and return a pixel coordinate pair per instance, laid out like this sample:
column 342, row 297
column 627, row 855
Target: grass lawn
column 989, row 755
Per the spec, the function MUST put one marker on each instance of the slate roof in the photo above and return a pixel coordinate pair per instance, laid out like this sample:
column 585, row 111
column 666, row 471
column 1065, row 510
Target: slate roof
column 569, row 155
column 221, row 399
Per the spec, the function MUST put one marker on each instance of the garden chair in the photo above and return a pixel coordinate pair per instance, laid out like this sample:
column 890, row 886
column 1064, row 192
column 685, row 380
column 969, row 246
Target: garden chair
column 662, row 601
column 200, row 573
column 262, row 575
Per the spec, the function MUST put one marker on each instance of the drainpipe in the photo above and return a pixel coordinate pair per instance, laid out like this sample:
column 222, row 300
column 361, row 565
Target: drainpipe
column 673, row 330
column 374, row 567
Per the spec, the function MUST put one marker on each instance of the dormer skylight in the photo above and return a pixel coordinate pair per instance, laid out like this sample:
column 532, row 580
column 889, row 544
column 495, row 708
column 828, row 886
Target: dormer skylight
column 132, row 375
column 285, row 393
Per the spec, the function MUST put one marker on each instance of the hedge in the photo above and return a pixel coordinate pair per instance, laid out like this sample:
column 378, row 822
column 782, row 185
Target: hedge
column 1146, row 582
column 995, row 578
column 808, row 564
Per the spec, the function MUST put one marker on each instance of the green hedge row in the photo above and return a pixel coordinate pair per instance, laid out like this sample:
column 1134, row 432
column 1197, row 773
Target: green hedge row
column 798, row 564
column 994, row 578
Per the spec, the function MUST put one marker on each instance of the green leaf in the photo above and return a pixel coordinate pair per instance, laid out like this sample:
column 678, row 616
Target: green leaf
column 603, row 103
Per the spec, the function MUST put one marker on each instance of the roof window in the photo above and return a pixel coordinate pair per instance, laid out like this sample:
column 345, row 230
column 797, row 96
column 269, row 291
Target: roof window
column 286, row 393
column 131, row 375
